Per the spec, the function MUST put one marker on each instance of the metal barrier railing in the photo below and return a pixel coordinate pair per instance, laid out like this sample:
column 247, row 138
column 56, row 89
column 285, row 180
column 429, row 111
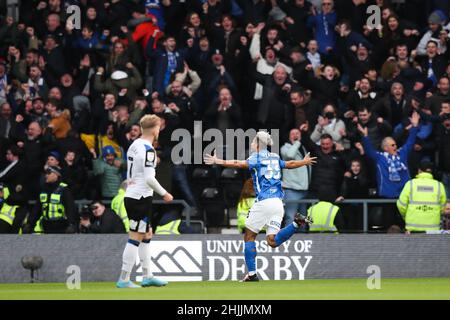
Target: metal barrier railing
column 364, row 202
column 186, row 207
column 187, row 212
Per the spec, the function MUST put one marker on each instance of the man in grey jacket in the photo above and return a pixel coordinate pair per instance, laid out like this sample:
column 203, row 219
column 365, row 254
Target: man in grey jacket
column 295, row 182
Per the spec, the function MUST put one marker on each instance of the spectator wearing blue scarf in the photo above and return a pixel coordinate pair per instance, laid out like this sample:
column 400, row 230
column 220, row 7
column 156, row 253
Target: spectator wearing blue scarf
column 392, row 163
column 391, row 169
column 324, row 24
column 168, row 61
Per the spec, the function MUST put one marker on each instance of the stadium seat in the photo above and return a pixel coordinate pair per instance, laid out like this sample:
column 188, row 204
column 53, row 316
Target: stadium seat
column 376, row 220
column 213, row 206
column 202, row 177
column 231, row 182
column 202, row 173
column 197, row 227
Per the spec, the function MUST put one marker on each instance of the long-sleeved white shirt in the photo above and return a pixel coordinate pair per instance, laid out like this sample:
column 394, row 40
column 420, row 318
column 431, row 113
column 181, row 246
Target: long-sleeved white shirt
column 141, row 165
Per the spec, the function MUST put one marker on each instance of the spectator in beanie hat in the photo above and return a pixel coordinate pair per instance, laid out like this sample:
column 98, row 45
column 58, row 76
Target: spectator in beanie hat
column 436, row 20
column 110, row 171
column 121, row 83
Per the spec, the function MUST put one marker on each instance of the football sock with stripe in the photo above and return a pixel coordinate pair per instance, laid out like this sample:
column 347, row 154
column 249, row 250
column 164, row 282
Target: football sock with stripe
column 144, row 256
column 129, row 259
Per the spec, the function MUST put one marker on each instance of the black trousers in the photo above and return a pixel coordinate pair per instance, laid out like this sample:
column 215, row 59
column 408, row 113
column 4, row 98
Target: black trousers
column 391, row 216
column 5, row 227
column 56, row 226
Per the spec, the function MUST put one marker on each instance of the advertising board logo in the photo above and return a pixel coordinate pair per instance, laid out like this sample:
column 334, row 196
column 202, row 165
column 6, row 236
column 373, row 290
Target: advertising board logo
column 290, row 261
column 176, row 260
column 223, row 260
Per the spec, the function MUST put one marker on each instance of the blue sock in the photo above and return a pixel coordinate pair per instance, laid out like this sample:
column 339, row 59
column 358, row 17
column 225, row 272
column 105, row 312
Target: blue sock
column 250, row 256
column 284, row 234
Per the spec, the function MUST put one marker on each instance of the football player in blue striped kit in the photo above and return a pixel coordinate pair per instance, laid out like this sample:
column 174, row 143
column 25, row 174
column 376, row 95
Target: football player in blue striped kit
column 268, row 209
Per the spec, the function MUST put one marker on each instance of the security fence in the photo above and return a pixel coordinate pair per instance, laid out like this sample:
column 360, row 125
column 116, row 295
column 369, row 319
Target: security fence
column 365, row 208
column 181, row 203
column 364, row 203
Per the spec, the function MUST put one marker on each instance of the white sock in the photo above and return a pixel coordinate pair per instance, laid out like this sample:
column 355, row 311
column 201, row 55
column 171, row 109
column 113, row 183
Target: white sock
column 144, row 256
column 128, row 260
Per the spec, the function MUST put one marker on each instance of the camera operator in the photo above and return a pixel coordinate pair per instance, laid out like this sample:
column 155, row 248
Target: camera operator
column 99, row 219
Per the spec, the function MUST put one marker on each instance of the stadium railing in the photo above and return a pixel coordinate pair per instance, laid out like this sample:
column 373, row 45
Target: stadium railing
column 365, row 204
column 186, row 211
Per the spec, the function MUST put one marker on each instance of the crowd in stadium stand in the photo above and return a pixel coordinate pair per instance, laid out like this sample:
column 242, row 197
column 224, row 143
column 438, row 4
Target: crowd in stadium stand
column 71, row 99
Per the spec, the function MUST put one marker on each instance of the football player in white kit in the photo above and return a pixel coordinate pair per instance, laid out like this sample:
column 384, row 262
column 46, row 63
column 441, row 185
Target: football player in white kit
column 141, row 165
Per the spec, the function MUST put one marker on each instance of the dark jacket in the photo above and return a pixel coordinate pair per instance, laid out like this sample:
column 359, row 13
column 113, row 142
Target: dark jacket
column 188, row 109
column 68, row 94
column 231, row 119
column 215, row 79
column 298, row 31
column 34, row 154
column 434, row 103
column 357, row 68
column 55, row 67
column 355, row 100
column 75, row 176
column 443, row 139
column 274, row 108
column 308, row 112
column 328, row 171
column 160, row 67
column 15, row 178
column 355, row 187
column 215, row 13
column 34, row 151
column 108, row 222
column 408, row 78
column 132, row 83
column 324, row 90
column 439, row 66
column 356, row 14
column 394, row 112
column 377, row 131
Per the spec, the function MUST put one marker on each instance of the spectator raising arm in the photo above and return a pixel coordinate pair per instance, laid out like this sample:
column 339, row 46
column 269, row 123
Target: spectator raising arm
column 409, row 145
column 368, row 148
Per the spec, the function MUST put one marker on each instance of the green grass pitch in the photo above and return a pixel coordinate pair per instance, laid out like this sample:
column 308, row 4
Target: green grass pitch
column 347, row 289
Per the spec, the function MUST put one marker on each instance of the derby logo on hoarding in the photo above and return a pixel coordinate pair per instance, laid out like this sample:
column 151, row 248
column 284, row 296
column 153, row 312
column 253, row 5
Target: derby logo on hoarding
column 224, row 260
column 288, row 262
column 176, row 260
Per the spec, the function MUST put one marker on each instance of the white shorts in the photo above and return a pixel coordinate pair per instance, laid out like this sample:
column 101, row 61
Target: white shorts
column 268, row 213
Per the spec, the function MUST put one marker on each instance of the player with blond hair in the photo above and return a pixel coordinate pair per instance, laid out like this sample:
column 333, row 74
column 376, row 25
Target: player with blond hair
column 141, row 164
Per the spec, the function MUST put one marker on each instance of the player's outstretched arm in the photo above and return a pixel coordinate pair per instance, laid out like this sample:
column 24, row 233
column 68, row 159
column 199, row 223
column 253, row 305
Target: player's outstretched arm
column 237, row 164
column 307, row 161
